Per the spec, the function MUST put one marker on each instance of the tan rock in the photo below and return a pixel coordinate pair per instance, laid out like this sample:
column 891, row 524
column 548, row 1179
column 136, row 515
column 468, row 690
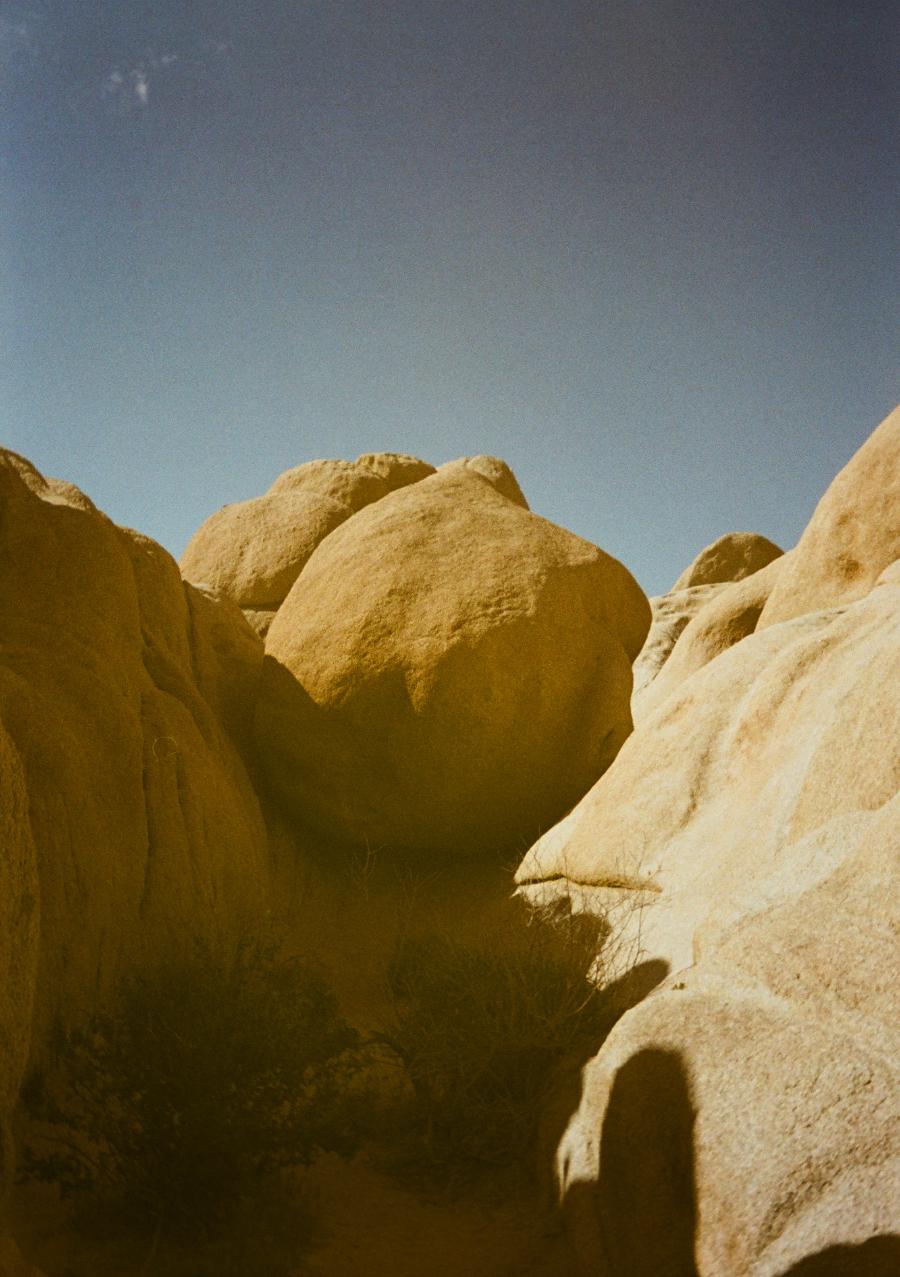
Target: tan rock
column 732, row 558
column 253, row 551
column 449, row 672
column 853, row 535
column 126, row 695
column 717, row 791
column 771, row 1064
column 346, row 482
column 725, row 617
column 752, row 821
column 671, row 613
column 19, row 928
column 396, row 468
column 12, row 1261
column 496, row 472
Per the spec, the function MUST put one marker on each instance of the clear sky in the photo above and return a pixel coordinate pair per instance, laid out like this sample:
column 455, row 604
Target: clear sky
column 645, row 250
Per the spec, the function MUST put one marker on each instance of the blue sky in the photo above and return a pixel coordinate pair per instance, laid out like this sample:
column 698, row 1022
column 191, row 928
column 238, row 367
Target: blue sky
column 642, row 249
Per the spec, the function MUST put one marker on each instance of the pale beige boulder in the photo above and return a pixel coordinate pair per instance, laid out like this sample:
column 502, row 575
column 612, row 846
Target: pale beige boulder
column 853, row 535
column 449, row 673
column 126, row 695
column 729, row 613
column 720, row 793
column 745, row 1118
column 733, row 557
column 253, row 551
column 670, row 615
column 746, row 838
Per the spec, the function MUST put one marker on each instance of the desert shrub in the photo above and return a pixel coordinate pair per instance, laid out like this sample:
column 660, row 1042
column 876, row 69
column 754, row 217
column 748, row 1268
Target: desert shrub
column 203, row 1080
column 483, row 1027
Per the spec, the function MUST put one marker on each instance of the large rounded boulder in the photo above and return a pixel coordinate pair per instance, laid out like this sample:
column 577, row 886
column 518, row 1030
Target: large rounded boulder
column 450, row 672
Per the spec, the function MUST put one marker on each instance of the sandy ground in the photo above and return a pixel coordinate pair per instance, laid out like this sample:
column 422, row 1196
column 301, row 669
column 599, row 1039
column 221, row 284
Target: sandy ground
column 364, row 1224
column 372, row 1226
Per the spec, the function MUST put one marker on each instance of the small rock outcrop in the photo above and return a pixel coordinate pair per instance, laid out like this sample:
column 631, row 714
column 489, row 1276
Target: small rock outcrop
column 732, row 558
column 449, row 672
column 670, row 615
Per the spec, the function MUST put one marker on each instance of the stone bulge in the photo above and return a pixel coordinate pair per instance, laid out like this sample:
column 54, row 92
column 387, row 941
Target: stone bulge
column 449, row 672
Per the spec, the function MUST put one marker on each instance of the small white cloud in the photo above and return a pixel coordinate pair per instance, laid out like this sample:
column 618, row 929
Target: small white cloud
column 126, row 88
column 169, row 59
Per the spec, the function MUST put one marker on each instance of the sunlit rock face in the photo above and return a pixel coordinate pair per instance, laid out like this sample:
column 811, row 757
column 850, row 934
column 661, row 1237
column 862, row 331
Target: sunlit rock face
column 253, row 551
column 130, row 828
column 853, row 536
column 752, row 822
column 732, row 558
column 449, row 672
column 670, row 615
column 693, row 627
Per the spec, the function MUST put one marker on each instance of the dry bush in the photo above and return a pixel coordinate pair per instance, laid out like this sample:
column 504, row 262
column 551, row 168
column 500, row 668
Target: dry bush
column 204, row 1082
column 483, row 1027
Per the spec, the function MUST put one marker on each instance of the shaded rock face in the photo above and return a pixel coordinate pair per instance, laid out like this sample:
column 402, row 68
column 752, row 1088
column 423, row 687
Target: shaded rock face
column 732, row 558
column 449, row 672
column 130, row 827
column 253, row 551
column 751, row 825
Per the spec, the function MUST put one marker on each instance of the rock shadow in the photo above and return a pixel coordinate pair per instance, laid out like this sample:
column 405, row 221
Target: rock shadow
column 646, row 1194
column 639, row 1219
column 877, row 1257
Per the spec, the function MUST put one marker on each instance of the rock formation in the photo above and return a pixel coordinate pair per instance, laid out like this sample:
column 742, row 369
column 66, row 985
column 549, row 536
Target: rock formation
column 732, row 557
column 449, row 671
column 751, row 821
column 446, row 673
column 126, row 699
column 670, row 614
column 253, row 551
column 699, row 629
column 853, row 535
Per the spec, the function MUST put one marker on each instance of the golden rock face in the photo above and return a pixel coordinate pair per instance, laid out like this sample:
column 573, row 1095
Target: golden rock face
column 124, row 693
column 853, row 535
column 449, row 672
column 733, row 557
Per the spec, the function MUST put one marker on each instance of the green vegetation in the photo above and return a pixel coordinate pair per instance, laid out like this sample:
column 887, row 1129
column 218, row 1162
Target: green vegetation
column 483, row 1028
column 206, row 1080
